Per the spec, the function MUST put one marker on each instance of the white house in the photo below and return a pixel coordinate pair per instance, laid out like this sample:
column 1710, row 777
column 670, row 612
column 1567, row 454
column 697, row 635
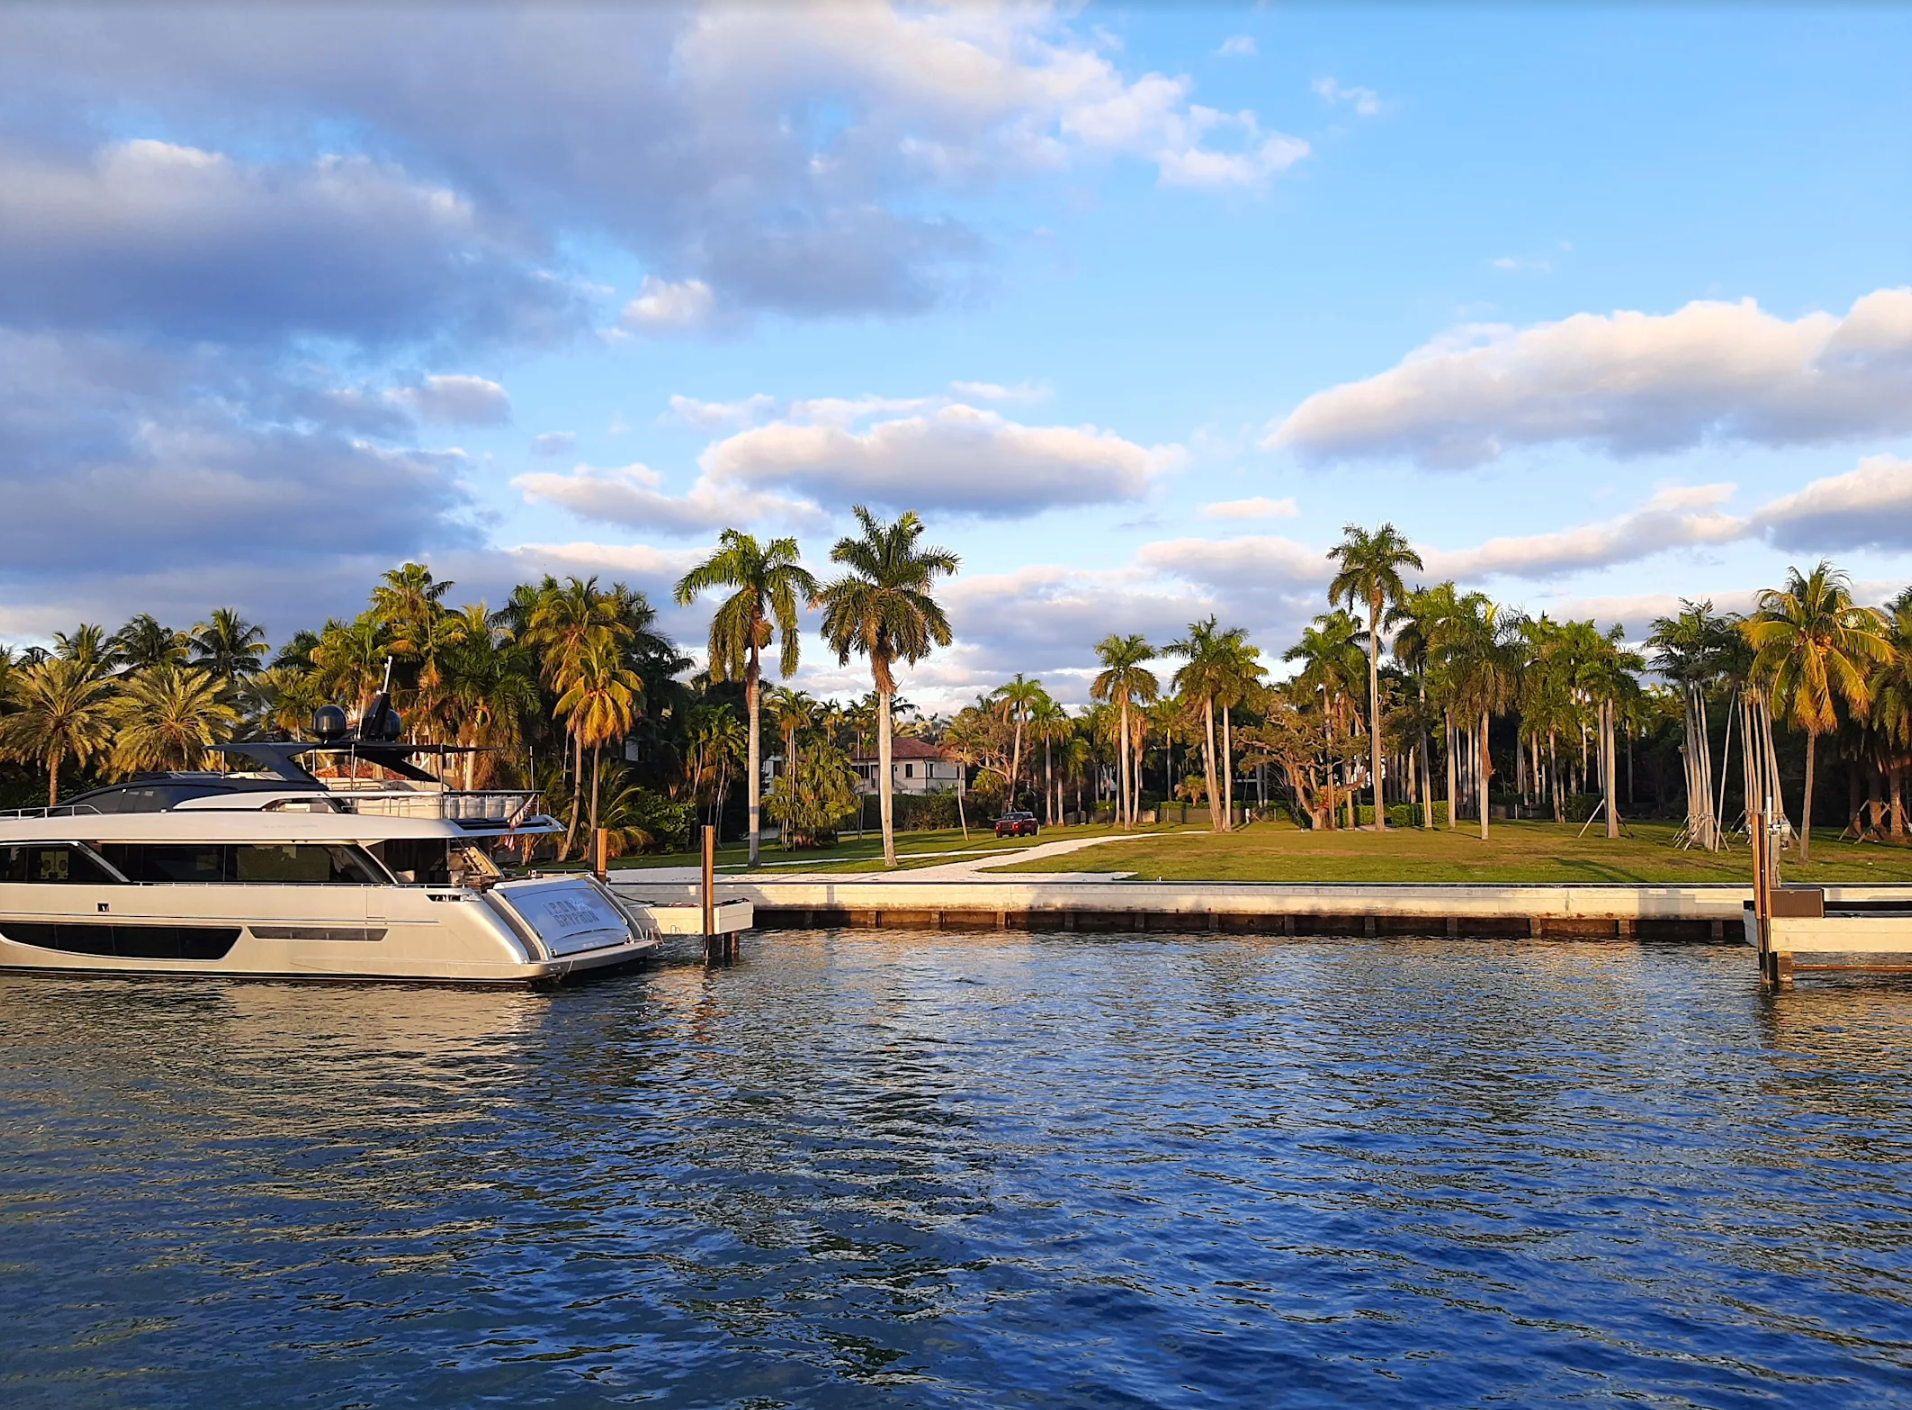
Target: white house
column 915, row 767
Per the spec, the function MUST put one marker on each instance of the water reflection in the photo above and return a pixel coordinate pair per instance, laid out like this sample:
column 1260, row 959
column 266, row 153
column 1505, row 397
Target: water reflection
column 916, row 1170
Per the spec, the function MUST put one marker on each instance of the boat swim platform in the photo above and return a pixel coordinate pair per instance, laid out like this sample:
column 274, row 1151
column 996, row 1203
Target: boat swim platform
column 1702, row 913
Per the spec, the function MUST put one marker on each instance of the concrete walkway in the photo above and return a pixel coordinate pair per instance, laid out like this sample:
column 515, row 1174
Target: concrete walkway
column 972, row 865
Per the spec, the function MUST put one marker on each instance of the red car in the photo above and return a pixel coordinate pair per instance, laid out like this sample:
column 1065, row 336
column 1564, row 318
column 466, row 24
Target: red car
column 1017, row 824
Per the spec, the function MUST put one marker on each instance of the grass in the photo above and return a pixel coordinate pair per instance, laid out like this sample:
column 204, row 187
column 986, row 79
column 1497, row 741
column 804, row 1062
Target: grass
column 1514, row 852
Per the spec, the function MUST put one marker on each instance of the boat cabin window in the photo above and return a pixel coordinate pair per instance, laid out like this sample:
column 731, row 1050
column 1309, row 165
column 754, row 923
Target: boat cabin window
column 417, row 861
column 291, row 863
column 53, row 861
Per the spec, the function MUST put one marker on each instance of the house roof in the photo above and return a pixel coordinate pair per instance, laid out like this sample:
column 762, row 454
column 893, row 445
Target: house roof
column 905, row 747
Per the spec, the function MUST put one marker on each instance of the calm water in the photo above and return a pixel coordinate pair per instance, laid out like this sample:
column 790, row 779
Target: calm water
column 893, row 1170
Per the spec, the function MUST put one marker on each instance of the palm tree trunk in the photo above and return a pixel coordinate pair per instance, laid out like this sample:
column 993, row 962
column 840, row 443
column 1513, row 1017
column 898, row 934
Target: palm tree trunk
column 1480, row 775
column 1610, row 756
column 884, row 803
column 1898, row 805
column 1048, row 783
column 1805, row 807
column 596, row 762
column 1208, row 758
column 577, row 791
column 1228, row 771
column 753, row 791
column 1453, row 777
column 53, row 779
column 1374, row 711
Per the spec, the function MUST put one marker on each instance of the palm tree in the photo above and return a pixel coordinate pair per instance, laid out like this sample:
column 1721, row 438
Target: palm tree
column 87, row 644
column 144, row 643
column 769, row 584
column 489, row 687
column 882, row 609
column 407, row 601
column 1208, row 674
column 1480, row 653
column 1241, row 673
column 1891, row 688
column 1370, row 575
column 1332, row 663
column 228, row 646
column 168, row 718
column 349, row 661
column 1125, row 681
column 566, row 622
column 600, row 703
column 62, row 710
column 1051, row 723
column 1813, row 647
column 1020, row 699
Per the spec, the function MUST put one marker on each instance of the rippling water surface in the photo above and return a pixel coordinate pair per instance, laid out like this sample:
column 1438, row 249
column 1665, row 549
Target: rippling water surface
column 909, row 1170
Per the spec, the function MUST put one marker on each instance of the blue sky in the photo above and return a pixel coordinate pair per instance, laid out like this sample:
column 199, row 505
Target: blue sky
column 1137, row 306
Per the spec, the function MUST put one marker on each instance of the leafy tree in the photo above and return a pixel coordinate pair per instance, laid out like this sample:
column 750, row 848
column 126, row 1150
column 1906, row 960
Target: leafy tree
column 228, row 646
column 810, row 799
column 769, row 584
column 1814, row 649
column 1125, row 681
column 61, row 710
column 882, row 608
column 169, row 717
column 144, row 643
column 1369, row 573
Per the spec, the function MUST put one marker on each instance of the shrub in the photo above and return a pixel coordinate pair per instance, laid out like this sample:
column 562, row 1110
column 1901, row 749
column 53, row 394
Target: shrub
column 1403, row 814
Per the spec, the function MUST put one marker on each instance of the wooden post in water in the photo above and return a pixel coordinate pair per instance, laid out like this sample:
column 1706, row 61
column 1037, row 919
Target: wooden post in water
column 1762, row 896
column 710, row 891
column 601, row 853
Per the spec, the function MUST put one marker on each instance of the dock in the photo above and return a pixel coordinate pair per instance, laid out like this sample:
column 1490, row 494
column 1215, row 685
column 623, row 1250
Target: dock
column 1701, row 913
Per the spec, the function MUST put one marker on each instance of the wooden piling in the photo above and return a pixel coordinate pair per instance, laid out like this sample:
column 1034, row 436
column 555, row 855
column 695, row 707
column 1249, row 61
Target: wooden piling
column 711, row 946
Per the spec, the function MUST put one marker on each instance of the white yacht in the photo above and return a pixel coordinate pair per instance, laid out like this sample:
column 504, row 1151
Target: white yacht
column 280, row 872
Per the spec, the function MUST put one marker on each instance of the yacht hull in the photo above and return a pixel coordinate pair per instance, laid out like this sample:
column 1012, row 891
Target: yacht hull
column 525, row 932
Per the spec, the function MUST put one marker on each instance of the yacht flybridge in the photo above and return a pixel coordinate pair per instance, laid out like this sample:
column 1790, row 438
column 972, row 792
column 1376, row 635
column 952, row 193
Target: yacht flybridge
column 338, row 858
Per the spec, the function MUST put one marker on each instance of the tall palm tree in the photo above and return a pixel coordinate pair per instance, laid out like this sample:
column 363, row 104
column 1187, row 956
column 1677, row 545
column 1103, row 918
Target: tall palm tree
column 770, row 584
column 1420, row 620
column 1125, row 680
column 1370, row 575
column 1020, row 700
column 1207, row 674
column 1814, row 648
column 228, row 646
column 600, row 703
column 1481, row 654
column 62, row 710
column 489, row 687
column 1241, row 673
column 1051, row 723
column 144, row 643
column 407, row 600
column 87, row 644
column 1331, row 665
column 882, row 608
column 168, row 718
column 1891, row 687
column 349, row 660
column 567, row 621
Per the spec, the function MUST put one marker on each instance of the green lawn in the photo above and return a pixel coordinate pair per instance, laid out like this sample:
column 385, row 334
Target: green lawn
column 1515, row 852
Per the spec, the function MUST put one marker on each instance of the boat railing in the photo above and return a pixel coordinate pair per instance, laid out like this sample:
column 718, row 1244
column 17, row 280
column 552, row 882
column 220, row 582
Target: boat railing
column 63, row 810
column 489, row 805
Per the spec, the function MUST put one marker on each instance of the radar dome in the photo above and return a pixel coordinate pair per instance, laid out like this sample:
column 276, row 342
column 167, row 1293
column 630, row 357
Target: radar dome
column 328, row 723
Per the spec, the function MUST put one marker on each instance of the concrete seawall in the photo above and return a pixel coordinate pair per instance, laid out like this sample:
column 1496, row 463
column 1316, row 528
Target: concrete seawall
column 1671, row 912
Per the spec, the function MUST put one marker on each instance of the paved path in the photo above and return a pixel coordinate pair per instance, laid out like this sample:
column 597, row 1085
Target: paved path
column 972, row 867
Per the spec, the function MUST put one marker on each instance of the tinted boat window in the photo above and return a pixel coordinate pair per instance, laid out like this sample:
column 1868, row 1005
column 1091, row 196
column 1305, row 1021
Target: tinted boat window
column 292, row 863
column 55, row 862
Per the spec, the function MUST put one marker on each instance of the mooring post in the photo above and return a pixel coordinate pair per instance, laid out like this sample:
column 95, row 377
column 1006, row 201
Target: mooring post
column 601, row 853
column 1762, row 897
column 710, row 888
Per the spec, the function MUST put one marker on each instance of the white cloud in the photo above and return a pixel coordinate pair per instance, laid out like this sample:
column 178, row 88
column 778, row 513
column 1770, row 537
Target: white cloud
column 455, row 399
column 1870, row 507
column 663, row 306
column 955, row 457
column 1628, row 383
column 633, row 495
column 693, row 412
column 1365, row 100
column 1258, row 507
column 1238, row 46
column 1673, row 517
column 554, row 443
column 996, row 391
